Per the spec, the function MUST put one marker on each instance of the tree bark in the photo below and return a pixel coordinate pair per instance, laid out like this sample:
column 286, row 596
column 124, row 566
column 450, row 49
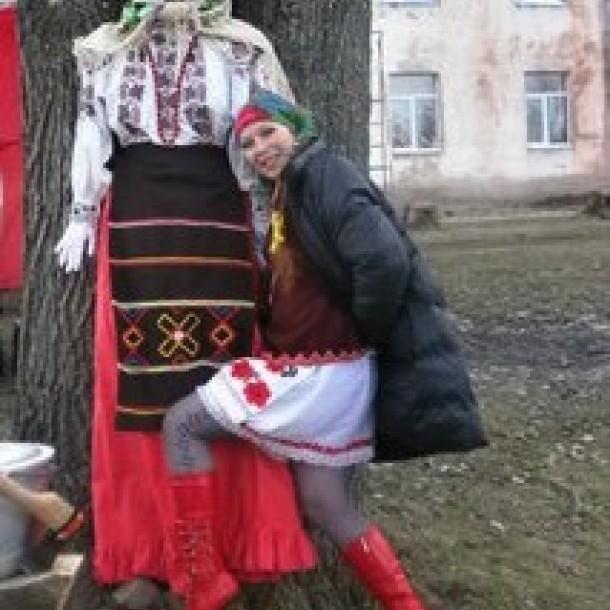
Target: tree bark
column 54, row 369
column 324, row 46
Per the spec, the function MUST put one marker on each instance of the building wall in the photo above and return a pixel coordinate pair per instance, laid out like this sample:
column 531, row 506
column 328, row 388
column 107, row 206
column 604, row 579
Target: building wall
column 480, row 50
column 606, row 170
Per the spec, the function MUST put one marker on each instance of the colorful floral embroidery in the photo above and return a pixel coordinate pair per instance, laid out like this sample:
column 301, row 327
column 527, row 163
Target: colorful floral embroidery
column 273, row 366
column 178, row 330
column 131, row 93
column 169, row 75
column 241, row 369
column 257, row 393
column 258, row 388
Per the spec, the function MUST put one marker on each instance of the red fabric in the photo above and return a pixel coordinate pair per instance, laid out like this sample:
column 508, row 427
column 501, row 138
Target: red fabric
column 11, row 155
column 248, row 115
column 260, row 533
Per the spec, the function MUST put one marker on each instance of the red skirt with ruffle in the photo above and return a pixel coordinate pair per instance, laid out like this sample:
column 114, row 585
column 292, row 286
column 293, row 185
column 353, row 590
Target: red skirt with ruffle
column 260, row 531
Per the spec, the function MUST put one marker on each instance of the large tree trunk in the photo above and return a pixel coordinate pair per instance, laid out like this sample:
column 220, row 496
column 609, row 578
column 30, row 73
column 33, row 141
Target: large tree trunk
column 54, row 371
column 324, row 45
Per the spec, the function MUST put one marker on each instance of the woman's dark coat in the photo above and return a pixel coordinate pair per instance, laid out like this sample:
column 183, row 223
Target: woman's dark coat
column 424, row 402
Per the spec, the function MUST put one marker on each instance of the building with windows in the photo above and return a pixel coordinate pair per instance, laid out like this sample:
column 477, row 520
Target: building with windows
column 499, row 100
column 607, row 81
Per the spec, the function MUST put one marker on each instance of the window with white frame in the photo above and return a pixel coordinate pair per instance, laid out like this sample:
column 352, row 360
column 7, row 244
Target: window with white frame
column 409, row 1
column 548, row 119
column 414, row 108
column 541, row 2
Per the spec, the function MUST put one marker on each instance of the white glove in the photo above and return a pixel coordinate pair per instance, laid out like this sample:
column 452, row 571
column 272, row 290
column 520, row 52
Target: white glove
column 78, row 238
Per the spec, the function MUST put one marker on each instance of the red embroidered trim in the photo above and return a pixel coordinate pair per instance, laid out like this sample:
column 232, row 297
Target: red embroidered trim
column 175, row 96
column 242, row 369
column 358, row 443
column 282, row 360
column 257, row 393
column 273, row 366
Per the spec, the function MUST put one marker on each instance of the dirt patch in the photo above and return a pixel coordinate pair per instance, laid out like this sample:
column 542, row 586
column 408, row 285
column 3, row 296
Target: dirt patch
column 524, row 523
column 597, row 205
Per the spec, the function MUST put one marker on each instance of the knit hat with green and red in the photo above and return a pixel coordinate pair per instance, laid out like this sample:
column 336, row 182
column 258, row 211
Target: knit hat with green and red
column 269, row 106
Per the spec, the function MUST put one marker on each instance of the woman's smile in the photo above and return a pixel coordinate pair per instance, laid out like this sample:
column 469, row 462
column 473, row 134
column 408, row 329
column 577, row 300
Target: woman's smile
column 267, row 146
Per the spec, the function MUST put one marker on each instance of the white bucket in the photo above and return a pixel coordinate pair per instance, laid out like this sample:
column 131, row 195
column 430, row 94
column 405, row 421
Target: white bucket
column 30, row 465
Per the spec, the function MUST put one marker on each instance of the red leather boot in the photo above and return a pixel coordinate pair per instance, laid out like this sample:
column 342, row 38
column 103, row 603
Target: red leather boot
column 377, row 567
column 200, row 573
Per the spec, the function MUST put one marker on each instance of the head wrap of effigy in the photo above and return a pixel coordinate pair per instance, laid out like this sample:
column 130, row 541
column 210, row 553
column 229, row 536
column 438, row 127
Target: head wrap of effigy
column 212, row 20
column 136, row 13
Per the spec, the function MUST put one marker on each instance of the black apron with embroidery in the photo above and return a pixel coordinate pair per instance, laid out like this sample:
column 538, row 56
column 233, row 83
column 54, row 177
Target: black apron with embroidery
column 182, row 277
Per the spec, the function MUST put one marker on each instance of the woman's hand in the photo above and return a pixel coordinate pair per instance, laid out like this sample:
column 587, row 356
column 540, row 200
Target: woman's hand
column 78, row 238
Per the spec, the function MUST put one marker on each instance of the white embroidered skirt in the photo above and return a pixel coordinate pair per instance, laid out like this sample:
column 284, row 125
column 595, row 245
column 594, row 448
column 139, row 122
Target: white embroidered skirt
column 320, row 414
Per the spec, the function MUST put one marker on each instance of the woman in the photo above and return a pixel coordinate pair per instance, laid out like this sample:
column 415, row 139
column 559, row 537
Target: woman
column 341, row 281
column 175, row 284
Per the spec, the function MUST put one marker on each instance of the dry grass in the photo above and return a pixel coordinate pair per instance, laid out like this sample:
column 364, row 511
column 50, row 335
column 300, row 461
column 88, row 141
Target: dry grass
column 523, row 524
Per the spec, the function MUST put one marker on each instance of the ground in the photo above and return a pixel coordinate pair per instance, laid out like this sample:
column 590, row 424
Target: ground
column 523, row 524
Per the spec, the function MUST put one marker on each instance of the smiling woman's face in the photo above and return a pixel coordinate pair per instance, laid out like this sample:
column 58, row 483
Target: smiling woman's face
column 267, row 147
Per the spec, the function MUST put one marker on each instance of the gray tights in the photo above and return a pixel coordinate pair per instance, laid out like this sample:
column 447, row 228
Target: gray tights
column 324, row 493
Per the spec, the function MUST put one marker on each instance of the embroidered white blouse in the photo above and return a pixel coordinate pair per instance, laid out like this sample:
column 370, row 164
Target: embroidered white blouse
column 180, row 88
